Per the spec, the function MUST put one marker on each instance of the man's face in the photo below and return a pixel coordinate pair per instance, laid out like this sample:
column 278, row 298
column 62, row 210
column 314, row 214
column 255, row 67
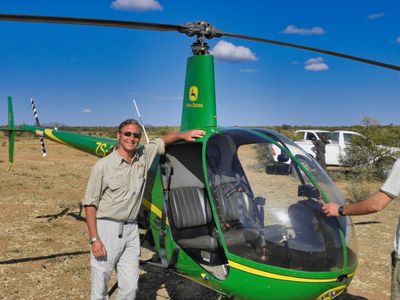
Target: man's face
column 129, row 137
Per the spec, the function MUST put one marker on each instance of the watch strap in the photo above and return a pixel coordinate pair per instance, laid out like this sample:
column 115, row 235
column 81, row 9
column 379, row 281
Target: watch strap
column 93, row 239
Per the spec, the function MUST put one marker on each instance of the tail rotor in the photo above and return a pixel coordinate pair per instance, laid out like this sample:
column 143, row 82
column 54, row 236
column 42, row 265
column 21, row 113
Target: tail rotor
column 41, row 138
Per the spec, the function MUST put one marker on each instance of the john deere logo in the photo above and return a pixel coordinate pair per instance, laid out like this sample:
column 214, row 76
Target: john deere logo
column 193, row 93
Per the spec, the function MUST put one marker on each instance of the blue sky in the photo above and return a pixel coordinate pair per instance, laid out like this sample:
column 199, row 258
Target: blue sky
column 83, row 75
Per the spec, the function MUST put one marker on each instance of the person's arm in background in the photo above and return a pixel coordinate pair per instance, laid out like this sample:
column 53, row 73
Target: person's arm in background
column 375, row 203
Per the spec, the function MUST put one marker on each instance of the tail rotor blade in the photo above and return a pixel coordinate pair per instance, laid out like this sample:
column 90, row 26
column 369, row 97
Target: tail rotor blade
column 35, row 115
column 42, row 148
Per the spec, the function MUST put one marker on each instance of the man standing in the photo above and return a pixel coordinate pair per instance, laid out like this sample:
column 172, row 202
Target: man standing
column 320, row 149
column 112, row 201
column 378, row 201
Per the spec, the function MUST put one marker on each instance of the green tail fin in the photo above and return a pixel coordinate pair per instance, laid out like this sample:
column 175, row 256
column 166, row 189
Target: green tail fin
column 11, row 132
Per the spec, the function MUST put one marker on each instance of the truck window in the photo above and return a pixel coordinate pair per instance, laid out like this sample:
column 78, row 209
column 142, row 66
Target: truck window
column 335, row 138
column 348, row 138
column 327, row 135
column 311, row 136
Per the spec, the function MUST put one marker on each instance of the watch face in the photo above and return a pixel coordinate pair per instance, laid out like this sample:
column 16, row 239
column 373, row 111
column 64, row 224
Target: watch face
column 340, row 210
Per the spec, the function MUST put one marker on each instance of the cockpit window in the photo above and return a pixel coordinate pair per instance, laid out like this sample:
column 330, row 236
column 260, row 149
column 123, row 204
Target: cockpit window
column 269, row 207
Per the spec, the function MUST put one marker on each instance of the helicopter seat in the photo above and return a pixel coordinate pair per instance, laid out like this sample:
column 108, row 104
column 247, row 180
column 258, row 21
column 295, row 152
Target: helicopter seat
column 192, row 220
column 237, row 213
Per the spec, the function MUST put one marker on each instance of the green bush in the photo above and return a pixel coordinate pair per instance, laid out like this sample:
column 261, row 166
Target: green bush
column 368, row 160
column 357, row 190
column 263, row 156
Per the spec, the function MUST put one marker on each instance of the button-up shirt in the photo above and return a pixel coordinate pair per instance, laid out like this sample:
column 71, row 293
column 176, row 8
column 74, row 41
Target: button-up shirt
column 116, row 187
column 392, row 188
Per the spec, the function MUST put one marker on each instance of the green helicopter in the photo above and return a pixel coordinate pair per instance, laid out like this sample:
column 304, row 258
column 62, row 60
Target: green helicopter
column 228, row 211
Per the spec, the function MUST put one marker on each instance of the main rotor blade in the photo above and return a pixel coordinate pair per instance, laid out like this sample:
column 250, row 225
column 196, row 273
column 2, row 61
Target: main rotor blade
column 91, row 22
column 187, row 29
column 359, row 59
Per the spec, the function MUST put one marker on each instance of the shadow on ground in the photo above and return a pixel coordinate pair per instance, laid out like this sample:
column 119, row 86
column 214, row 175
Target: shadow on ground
column 347, row 296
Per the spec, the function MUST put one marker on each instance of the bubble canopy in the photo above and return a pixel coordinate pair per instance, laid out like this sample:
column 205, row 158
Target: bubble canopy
column 267, row 193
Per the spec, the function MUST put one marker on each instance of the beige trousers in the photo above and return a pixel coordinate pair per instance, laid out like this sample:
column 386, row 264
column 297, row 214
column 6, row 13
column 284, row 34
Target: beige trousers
column 122, row 254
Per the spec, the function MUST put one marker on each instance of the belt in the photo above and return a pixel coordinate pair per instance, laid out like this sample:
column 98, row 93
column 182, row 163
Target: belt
column 121, row 226
column 129, row 222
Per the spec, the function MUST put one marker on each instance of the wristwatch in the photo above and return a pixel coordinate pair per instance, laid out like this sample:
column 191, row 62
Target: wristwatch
column 93, row 239
column 340, row 210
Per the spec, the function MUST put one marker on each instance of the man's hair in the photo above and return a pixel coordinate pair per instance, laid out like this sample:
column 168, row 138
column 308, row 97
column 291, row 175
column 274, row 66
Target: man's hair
column 128, row 122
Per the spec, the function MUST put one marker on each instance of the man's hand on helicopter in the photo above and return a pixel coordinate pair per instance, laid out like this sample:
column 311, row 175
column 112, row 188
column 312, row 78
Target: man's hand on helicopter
column 372, row 204
column 330, row 209
column 188, row 136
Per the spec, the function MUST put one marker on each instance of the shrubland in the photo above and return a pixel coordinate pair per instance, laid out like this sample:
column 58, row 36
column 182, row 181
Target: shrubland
column 364, row 162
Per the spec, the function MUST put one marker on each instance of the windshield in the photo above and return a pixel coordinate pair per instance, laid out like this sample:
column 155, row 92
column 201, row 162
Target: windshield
column 268, row 206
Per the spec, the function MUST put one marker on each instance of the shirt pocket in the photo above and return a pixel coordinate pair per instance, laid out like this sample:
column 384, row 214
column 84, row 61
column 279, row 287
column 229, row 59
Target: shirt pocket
column 118, row 189
column 140, row 170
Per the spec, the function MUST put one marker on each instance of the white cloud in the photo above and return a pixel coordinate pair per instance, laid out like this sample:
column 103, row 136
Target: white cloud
column 316, row 65
column 375, row 16
column 398, row 40
column 248, row 70
column 136, row 5
column 87, row 110
column 291, row 29
column 226, row 51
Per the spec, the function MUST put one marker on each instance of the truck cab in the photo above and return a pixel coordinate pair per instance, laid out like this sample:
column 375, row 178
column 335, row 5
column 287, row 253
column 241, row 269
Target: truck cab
column 310, row 135
column 340, row 139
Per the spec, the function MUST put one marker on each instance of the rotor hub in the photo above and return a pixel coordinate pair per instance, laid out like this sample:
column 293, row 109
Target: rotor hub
column 202, row 30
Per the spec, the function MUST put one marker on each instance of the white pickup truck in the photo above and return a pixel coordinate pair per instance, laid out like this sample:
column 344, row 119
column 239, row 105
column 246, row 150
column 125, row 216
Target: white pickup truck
column 338, row 141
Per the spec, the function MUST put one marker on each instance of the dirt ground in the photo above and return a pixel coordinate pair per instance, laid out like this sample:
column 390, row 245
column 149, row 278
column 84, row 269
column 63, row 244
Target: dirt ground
column 43, row 239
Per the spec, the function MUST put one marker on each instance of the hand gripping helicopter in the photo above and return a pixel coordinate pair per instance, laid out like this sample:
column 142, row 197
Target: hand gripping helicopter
column 226, row 211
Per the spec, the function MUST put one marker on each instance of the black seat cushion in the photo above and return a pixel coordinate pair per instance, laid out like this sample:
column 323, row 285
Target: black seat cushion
column 191, row 215
column 200, row 242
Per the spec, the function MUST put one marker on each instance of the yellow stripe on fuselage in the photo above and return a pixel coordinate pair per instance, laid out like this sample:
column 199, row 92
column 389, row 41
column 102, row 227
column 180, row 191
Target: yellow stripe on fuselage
column 49, row 133
column 279, row 277
column 154, row 209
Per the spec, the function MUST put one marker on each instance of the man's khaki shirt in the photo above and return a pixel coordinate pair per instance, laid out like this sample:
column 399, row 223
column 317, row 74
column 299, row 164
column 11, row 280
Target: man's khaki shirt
column 116, row 187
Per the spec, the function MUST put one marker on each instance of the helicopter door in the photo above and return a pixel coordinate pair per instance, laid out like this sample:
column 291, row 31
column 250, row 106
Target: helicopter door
column 275, row 218
column 189, row 213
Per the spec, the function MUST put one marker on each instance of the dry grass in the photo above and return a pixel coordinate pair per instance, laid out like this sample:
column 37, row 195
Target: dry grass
column 44, row 252
column 43, row 240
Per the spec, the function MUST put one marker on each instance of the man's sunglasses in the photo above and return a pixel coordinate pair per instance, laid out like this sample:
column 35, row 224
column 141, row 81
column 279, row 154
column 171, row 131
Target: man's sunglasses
column 136, row 135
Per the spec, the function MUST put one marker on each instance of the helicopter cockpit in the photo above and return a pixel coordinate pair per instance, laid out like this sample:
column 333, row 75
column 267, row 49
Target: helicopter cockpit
column 269, row 207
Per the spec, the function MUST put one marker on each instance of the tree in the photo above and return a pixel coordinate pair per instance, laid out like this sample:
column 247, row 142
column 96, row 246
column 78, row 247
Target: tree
column 367, row 121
